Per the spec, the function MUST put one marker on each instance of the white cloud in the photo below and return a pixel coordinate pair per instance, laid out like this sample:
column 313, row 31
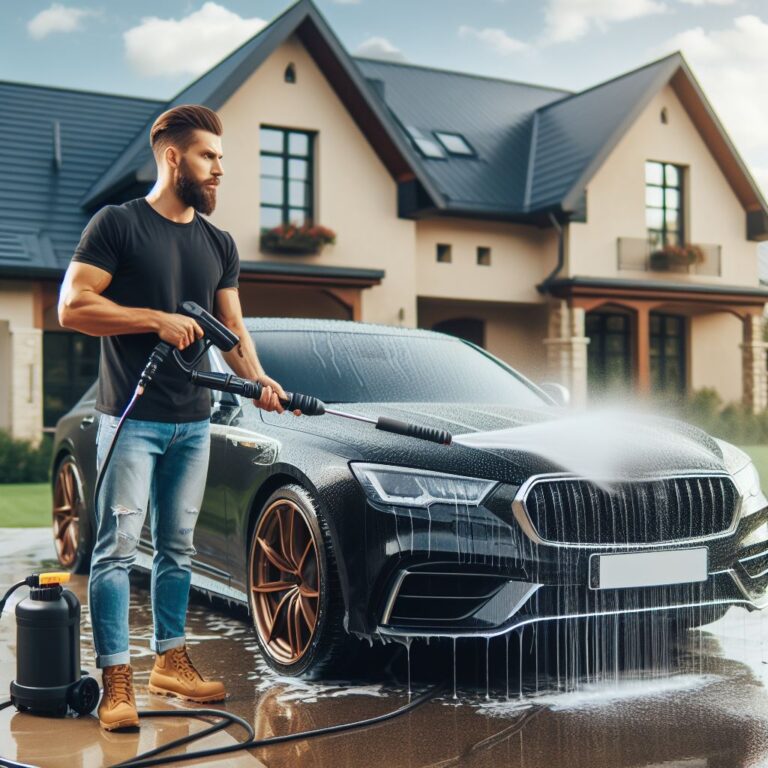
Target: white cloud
column 708, row 2
column 346, row 2
column 570, row 19
column 495, row 38
column 732, row 66
column 57, row 18
column 187, row 46
column 379, row 48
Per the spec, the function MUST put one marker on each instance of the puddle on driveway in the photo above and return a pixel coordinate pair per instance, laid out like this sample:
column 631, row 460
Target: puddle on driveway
column 709, row 709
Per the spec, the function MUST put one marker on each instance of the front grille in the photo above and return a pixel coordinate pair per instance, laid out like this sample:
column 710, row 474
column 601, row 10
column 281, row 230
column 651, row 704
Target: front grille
column 578, row 512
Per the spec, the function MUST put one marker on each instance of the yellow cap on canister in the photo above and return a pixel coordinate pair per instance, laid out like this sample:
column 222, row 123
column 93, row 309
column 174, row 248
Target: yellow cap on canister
column 53, row 577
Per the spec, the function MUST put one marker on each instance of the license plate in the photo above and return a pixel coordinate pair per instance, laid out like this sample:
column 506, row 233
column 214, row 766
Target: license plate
column 648, row 569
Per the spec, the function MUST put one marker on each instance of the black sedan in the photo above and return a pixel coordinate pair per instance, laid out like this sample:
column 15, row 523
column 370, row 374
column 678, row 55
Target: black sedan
column 327, row 528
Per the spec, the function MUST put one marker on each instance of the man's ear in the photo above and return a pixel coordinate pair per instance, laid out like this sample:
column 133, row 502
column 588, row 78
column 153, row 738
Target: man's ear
column 172, row 156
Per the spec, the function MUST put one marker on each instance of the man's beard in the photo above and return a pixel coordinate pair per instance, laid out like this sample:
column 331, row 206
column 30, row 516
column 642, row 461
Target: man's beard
column 201, row 197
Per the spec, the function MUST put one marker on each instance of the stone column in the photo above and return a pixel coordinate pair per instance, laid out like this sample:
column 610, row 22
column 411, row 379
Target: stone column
column 566, row 346
column 25, row 383
column 753, row 361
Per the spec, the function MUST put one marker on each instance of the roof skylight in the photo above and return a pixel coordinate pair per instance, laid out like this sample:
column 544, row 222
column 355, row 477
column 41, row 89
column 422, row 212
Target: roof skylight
column 425, row 145
column 455, row 143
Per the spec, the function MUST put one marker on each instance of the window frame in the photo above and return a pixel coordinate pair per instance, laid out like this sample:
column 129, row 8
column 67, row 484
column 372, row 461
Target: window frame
column 285, row 156
column 661, row 359
column 453, row 134
column 665, row 231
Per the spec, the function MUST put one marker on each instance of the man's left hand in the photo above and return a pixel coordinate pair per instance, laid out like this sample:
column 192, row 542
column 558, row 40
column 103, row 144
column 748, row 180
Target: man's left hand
column 271, row 395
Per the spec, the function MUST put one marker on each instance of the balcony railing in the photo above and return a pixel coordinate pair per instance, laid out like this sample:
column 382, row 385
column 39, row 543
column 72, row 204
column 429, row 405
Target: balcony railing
column 634, row 254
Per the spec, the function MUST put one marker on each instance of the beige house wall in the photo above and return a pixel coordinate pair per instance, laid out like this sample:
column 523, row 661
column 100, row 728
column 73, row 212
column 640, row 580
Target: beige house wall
column 715, row 354
column 354, row 192
column 513, row 332
column 21, row 362
column 521, row 257
column 616, row 201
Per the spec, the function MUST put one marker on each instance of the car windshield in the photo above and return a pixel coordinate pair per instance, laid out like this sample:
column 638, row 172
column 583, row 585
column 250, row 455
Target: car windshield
column 365, row 367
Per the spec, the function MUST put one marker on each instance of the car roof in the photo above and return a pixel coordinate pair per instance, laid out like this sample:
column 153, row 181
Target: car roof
column 336, row 326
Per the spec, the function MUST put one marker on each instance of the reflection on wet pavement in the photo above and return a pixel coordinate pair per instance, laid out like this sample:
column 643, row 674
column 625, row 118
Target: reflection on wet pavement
column 708, row 707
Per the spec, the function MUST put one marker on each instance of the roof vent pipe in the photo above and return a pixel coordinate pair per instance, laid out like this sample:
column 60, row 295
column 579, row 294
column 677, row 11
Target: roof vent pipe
column 57, row 145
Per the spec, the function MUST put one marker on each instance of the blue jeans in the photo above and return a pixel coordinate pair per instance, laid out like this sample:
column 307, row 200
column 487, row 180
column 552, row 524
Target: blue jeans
column 163, row 465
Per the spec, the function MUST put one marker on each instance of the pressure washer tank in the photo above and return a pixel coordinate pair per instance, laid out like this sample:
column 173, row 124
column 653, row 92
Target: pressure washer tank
column 48, row 676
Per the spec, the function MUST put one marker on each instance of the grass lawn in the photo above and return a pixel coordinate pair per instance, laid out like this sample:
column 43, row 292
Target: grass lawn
column 25, row 505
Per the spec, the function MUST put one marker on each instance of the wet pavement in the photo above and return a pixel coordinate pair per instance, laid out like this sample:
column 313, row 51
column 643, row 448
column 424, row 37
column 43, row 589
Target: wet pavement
column 706, row 706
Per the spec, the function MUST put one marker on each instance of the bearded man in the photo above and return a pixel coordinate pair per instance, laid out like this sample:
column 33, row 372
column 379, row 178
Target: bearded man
column 134, row 265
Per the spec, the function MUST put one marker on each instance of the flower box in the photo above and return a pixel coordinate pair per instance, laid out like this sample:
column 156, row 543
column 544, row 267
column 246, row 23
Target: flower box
column 295, row 239
column 672, row 257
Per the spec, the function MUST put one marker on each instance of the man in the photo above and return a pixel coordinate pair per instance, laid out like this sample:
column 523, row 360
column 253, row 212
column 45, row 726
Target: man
column 135, row 263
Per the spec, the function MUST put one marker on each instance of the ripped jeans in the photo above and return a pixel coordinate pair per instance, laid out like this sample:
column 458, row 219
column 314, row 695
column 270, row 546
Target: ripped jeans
column 163, row 465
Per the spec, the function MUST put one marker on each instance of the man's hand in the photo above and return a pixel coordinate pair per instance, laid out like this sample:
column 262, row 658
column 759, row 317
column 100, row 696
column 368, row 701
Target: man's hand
column 178, row 330
column 271, row 395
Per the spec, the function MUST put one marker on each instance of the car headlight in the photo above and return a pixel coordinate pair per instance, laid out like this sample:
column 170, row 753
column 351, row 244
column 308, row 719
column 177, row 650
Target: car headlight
column 746, row 477
column 418, row 488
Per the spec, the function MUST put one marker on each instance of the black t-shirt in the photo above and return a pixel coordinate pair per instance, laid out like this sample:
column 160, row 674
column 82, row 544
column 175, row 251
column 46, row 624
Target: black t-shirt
column 154, row 263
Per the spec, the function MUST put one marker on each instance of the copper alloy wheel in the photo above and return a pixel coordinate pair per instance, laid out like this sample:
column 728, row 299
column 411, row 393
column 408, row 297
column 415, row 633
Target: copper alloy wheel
column 67, row 507
column 284, row 581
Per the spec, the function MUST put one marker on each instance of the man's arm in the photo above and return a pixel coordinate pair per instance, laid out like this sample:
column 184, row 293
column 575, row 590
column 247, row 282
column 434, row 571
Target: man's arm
column 84, row 309
column 243, row 359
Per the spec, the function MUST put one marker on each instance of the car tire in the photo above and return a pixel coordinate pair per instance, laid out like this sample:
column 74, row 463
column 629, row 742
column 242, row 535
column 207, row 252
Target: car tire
column 70, row 517
column 294, row 595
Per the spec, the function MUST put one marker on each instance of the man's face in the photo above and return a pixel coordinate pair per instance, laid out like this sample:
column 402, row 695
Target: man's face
column 199, row 172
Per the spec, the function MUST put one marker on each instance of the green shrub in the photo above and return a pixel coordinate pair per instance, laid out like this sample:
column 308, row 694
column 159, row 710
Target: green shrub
column 733, row 422
column 22, row 462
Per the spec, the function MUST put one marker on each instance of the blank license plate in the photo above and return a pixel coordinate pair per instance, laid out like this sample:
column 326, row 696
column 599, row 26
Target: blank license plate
column 648, row 569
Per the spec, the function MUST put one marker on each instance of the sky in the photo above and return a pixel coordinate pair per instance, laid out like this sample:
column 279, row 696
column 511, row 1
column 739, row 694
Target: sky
column 153, row 48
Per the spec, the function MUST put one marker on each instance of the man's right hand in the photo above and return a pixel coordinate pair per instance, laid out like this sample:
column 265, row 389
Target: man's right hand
column 178, row 330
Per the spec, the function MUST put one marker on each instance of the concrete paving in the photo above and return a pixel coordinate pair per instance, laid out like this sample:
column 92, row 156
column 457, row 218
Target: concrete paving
column 703, row 707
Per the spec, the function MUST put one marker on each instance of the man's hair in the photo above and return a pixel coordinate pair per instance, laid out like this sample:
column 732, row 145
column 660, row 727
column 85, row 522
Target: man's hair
column 175, row 126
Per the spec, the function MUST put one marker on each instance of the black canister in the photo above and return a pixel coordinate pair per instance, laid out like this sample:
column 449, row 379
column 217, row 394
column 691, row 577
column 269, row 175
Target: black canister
column 47, row 649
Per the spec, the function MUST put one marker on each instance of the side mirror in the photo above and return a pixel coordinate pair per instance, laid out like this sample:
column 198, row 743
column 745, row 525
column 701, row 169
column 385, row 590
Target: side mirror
column 560, row 394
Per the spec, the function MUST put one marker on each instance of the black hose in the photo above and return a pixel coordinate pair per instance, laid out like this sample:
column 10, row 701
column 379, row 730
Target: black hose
column 140, row 762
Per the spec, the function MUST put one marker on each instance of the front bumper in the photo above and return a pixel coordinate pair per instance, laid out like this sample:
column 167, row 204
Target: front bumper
column 462, row 571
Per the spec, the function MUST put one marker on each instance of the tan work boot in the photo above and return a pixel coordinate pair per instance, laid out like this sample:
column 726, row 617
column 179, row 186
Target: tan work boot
column 117, row 708
column 175, row 675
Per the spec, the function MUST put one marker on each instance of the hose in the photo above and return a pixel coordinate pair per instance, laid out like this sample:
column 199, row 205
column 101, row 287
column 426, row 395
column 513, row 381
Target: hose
column 140, row 761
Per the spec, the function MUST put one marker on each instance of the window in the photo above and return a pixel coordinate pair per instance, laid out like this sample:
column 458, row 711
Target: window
column 667, row 353
column 70, row 366
column 290, row 74
column 286, row 177
column 455, row 143
column 425, row 145
column 664, row 204
column 609, row 365
column 444, row 253
column 483, row 256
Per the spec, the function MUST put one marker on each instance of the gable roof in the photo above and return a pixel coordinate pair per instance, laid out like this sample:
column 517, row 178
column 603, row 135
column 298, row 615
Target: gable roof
column 40, row 216
column 494, row 116
column 538, row 148
column 136, row 163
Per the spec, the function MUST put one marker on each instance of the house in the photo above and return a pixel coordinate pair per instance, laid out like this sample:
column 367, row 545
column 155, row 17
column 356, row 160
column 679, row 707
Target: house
column 604, row 239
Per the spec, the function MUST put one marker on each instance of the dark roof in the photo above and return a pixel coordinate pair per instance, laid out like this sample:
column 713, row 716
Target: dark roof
column 565, row 284
column 40, row 214
column 495, row 116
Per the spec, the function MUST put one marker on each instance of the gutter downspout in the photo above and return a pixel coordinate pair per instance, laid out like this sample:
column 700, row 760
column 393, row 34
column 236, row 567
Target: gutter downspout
column 543, row 287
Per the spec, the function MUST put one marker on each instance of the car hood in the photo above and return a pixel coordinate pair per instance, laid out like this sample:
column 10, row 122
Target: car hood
column 510, row 444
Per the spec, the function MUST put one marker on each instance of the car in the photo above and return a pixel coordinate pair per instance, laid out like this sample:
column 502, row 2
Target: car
column 327, row 528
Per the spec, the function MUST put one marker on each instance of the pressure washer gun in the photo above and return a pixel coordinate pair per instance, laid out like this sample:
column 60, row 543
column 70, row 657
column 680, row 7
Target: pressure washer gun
column 217, row 334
